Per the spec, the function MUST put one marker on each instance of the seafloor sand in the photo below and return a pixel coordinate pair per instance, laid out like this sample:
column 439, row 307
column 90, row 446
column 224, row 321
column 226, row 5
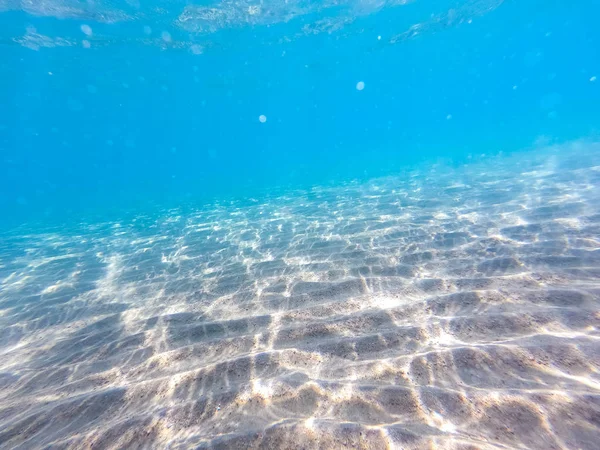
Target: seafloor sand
column 452, row 308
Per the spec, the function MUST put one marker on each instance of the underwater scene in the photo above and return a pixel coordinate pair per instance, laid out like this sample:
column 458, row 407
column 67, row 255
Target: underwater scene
column 297, row 224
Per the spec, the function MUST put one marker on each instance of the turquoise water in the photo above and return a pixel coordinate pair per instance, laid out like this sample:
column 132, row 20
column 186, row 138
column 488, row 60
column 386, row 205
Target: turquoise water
column 300, row 225
column 164, row 105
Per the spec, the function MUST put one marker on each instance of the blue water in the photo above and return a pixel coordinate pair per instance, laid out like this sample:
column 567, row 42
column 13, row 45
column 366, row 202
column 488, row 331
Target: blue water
column 163, row 107
column 298, row 224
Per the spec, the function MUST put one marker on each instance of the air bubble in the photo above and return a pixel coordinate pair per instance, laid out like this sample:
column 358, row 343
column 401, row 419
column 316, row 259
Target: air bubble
column 262, row 118
column 360, row 85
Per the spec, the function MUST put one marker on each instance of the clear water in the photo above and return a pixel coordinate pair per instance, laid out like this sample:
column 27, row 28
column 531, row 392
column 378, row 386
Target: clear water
column 298, row 224
column 140, row 118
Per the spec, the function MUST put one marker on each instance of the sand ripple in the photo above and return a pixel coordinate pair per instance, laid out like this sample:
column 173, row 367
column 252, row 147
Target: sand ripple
column 447, row 307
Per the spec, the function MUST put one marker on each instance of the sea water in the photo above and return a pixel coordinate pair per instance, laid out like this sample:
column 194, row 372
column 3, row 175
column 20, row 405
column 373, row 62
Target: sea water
column 299, row 224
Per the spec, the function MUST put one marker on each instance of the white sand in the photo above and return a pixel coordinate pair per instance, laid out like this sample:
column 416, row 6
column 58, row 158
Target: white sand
column 450, row 308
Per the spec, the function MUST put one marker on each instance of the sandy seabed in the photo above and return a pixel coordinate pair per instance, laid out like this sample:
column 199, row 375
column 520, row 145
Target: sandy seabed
column 444, row 308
